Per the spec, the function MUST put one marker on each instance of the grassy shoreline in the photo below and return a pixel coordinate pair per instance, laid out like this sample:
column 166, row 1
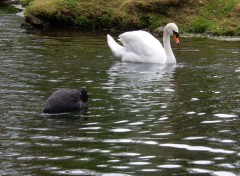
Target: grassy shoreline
column 216, row 17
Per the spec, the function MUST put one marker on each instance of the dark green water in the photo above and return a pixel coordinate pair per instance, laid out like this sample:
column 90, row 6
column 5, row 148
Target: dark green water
column 143, row 119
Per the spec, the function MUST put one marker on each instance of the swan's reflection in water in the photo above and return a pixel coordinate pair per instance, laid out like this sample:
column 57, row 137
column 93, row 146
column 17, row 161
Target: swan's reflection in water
column 141, row 86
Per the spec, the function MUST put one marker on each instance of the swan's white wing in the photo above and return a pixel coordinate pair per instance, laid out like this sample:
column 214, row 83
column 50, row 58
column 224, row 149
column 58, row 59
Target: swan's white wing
column 141, row 46
column 139, row 42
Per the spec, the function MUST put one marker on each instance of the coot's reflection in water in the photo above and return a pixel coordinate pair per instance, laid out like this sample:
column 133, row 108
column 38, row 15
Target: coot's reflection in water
column 65, row 120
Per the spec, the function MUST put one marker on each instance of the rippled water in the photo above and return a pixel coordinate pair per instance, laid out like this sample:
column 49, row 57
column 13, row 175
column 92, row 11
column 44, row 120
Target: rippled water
column 143, row 119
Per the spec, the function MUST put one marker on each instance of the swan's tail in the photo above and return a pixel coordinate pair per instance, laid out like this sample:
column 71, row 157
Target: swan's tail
column 115, row 47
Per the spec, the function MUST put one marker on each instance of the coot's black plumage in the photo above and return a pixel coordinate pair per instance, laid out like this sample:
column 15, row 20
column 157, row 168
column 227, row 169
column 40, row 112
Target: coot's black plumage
column 66, row 100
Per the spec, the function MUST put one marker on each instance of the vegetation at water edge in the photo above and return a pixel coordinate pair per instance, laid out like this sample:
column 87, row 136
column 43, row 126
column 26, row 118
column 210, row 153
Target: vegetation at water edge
column 218, row 17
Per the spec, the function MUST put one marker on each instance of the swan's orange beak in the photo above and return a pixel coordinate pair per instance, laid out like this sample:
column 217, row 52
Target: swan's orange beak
column 176, row 38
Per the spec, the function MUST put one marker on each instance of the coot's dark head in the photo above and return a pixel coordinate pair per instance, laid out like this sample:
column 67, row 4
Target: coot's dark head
column 84, row 96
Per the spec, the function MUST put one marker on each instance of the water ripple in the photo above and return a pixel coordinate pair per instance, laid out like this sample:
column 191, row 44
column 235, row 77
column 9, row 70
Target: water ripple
column 226, row 115
column 202, row 162
column 75, row 172
column 122, row 121
column 120, row 130
column 211, row 121
column 125, row 154
column 147, row 142
column 136, row 123
column 195, row 138
column 90, row 128
column 139, row 163
column 143, row 119
column 215, row 173
column 197, row 148
column 169, row 166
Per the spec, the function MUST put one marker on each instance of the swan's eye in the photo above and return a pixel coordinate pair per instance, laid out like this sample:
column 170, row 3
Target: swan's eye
column 176, row 34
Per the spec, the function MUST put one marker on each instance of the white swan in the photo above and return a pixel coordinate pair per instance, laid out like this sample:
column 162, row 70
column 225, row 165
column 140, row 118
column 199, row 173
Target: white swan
column 141, row 46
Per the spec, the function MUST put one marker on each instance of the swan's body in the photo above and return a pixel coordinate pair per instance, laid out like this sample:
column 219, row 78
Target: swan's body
column 141, row 46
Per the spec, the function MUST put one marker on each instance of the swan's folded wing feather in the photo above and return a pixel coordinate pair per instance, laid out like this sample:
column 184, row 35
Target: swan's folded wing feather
column 141, row 43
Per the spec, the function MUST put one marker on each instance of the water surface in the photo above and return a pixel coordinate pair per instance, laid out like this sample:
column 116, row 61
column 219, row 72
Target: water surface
column 143, row 119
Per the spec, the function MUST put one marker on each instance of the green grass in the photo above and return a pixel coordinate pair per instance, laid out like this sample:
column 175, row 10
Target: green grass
column 219, row 8
column 219, row 17
column 200, row 25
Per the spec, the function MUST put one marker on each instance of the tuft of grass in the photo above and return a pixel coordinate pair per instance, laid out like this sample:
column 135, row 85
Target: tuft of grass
column 200, row 25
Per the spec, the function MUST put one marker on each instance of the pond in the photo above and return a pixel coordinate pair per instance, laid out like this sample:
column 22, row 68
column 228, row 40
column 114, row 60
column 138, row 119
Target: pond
column 143, row 119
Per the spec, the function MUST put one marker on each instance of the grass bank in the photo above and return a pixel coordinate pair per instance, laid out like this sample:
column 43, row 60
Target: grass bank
column 218, row 17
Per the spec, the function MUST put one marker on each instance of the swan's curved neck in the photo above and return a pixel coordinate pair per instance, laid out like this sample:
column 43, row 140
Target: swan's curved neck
column 168, row 49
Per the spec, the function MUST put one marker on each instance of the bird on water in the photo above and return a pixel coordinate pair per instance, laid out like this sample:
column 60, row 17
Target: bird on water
column 66, row 100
